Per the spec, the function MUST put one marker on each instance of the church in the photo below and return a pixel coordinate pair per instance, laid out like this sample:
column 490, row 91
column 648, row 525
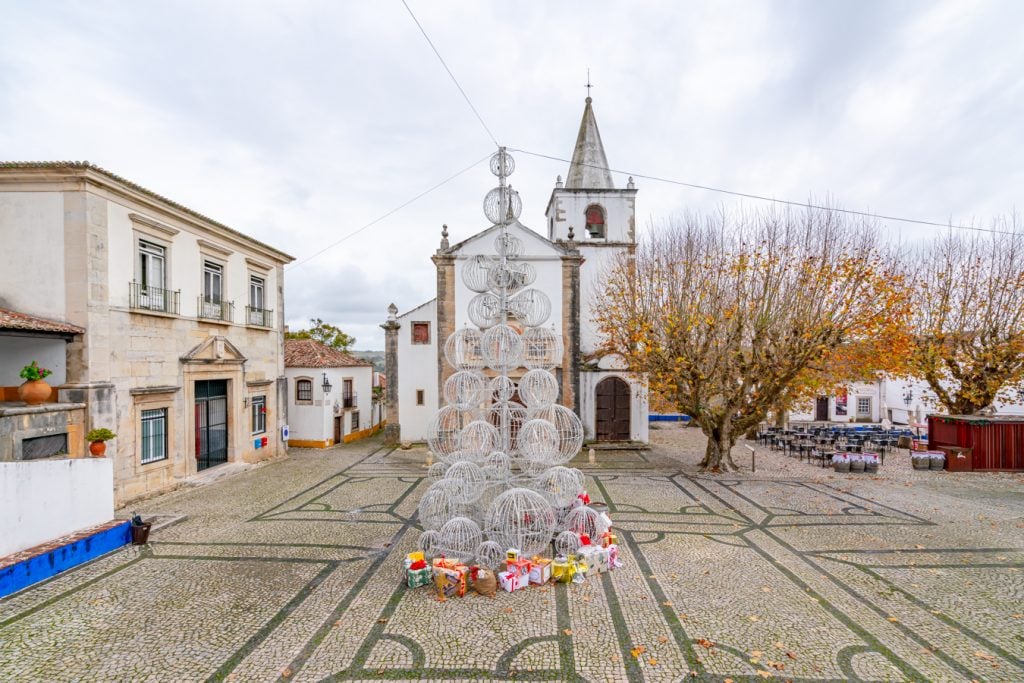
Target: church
column 589, row 222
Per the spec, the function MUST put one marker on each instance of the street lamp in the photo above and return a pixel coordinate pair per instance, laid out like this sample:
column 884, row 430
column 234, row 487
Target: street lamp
column 908, row 398
column 327, row 384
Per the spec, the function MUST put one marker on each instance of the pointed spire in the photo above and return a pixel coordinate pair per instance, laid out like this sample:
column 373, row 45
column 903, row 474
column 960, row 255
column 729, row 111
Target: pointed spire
column 589, row 167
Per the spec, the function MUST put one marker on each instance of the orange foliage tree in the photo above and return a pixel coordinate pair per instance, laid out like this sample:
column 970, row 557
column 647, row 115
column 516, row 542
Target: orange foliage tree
column 728, row 316
column 968, row 323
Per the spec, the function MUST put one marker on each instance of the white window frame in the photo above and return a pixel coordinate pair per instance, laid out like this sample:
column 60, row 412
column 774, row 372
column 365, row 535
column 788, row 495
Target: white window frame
column 257, row 287
column 258, row 412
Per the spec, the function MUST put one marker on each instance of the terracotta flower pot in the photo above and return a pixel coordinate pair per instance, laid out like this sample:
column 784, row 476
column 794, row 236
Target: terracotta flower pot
column 33, row 392
column 98, row 448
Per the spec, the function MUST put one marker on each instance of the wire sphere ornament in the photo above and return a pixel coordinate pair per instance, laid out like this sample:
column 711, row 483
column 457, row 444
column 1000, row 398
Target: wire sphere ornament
column 502, row 388
column 436, row 471
column 567, row 543
column 445, row 430
column 476, row 273
column 523, row 519
column 538, row 388
column 430, row 543
column 493, row 205
column 490, row 554
column 538, row 440
column 531, row 307
column 509, row 246
column 439, row 504
column 469, row 480
column 465, row 390
column 502, row 164
column 502, row 348
column 569, row 428
column 542, row 348
column 478, row 439
column 484, row 311
column 560, row 485
column 582, row 520
column 462, row 349
column 498, row 466
column 507, row 417
column 460, row 537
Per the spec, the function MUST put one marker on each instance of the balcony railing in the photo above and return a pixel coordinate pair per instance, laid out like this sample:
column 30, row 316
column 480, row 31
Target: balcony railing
column 261, row 317
column 215, row 310
column 350, row 400
column 150, row 298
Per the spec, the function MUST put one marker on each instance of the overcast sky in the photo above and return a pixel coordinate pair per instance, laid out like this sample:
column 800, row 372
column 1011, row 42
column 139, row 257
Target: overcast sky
column 299, row 122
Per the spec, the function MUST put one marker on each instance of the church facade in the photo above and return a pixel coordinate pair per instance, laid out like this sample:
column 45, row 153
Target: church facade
column 589, row 223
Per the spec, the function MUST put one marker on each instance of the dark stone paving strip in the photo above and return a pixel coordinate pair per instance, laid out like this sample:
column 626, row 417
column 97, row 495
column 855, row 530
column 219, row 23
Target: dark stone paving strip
column 621, row 630
column 254, row 641
column 269, row 545
column 850, row 623
column 71, row 591
column 904, row 666
column 325, row 628
column 566, row 651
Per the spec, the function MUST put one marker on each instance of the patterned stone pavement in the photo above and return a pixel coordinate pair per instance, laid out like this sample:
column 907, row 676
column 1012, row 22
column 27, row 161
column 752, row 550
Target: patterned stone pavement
column 291, row 572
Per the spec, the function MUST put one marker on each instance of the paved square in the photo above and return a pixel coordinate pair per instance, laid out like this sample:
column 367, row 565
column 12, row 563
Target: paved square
column 291, row 572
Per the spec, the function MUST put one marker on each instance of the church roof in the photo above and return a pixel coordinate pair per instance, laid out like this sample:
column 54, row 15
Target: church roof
column 589, row 167
column 515, row 228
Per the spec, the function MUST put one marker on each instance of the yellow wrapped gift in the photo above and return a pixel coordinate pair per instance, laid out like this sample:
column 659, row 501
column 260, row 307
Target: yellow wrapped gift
column 562, row 570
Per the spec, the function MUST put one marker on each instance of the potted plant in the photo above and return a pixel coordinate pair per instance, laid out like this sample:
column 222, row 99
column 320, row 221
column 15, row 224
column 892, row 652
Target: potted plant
column 97, row 439
column 34, row 390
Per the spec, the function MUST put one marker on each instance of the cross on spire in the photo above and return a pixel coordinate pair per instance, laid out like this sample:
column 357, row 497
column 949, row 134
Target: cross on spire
column 589, row 85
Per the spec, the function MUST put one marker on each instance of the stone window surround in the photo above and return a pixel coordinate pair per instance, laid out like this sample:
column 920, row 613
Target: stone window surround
column 295, row 395
column 154, row 398
column 161, row 240
column 412, row 332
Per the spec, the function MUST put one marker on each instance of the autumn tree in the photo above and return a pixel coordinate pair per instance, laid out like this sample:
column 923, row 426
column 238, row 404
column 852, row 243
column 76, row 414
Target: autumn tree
column 325, row 333
column 728, row 314
column 968, row 323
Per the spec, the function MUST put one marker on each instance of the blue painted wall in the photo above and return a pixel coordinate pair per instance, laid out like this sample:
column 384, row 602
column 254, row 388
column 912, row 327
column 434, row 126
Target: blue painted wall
column 41, row 567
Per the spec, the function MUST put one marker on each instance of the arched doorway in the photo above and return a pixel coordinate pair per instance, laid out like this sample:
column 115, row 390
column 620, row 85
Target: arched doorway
column 613, row 409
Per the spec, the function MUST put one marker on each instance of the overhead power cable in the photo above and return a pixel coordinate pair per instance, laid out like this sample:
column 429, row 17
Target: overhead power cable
column 454, row 80
column 763, row 198
column 389, row 213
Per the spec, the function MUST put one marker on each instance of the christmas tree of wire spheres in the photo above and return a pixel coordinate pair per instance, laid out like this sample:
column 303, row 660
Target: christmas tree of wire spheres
column 501, row 481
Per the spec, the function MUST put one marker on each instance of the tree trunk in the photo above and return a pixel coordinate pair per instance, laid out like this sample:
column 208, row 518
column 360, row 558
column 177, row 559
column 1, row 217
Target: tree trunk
column 718, row 454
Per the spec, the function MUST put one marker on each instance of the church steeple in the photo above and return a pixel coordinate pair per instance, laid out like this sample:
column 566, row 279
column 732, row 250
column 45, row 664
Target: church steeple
column 589, row 167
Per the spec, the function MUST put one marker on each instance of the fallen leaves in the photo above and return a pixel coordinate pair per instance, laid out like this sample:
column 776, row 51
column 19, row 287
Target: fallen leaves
column 663, row 639
column 286, row 672
column 705, row 643
column 652, row 661
column 791, row 655
column 567, row 631
column 638, row 651
column 754, row 617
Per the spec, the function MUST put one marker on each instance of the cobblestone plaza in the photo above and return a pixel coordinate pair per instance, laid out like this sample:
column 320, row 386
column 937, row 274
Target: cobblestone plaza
column 292, row 571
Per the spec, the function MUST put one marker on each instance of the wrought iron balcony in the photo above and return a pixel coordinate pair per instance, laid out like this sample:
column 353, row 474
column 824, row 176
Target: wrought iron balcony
column 149, row 298
column 260, row 317
column 350, row 400
column 209, row 309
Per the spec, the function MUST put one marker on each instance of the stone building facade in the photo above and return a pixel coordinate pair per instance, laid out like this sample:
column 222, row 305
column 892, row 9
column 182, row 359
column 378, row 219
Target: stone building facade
column 183, row 319
column 590, row 222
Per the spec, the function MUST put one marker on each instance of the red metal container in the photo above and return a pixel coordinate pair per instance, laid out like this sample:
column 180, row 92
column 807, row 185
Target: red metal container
column 996, row 442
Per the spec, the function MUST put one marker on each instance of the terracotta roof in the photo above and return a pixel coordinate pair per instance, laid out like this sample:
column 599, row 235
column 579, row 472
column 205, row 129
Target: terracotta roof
column 87, row 166
column 12, row 320
column 310, row 353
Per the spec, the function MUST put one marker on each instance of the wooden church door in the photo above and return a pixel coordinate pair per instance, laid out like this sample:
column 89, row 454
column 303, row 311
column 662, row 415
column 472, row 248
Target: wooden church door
column 613, row 409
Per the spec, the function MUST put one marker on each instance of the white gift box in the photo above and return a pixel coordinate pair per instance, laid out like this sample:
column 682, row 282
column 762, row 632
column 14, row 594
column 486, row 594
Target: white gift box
column 511, row 581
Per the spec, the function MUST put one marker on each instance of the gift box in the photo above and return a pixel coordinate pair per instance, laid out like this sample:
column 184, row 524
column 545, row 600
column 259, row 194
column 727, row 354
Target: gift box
column 415, row 557
column 562, row 570
column 512, row 555
column 522, row 567
column 613, row 557
column 580, row 570
column 451, row 583
column 608, row 539
column 596, row 558
column 540, row 571
column 448, row 563
column 511, row 581
column 421, row 576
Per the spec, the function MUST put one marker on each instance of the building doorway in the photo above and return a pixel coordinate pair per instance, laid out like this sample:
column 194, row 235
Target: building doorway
column 613, row 409
column 338, row 420
column 821, row 409
column 211, row 412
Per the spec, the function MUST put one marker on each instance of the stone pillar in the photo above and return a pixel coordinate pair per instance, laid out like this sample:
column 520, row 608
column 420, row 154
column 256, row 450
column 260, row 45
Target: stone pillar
column 445, row 264
column 570, row 379
column 393, row 429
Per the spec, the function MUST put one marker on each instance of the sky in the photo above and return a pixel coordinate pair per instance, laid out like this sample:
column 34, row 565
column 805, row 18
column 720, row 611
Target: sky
column 299, row 123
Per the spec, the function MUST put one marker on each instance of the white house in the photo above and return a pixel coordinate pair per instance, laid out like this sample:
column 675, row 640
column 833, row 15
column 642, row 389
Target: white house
column 331, row 396
column 178, row 319
column 589, row 222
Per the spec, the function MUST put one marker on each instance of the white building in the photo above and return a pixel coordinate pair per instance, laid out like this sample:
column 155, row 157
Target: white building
column 589, row 222
column 331, row 396
column 181, row 353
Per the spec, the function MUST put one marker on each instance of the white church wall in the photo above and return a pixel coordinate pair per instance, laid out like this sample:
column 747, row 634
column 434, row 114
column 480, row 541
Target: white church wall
column 592, row 276
column 568, row 209
column 417, row 371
